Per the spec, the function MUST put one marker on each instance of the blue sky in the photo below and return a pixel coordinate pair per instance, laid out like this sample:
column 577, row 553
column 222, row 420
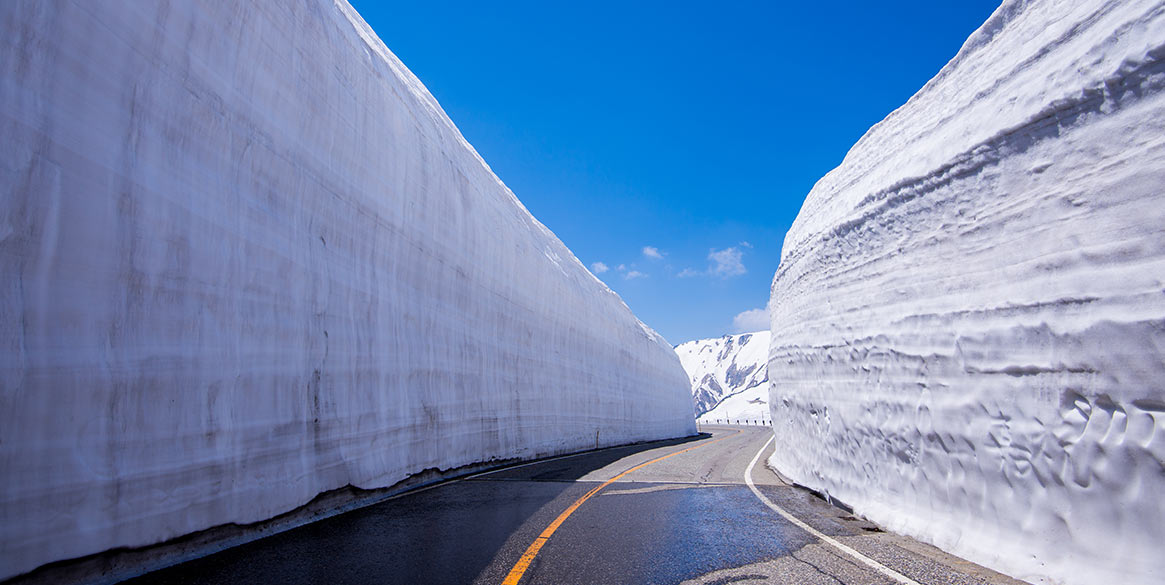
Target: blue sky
column 672, row 142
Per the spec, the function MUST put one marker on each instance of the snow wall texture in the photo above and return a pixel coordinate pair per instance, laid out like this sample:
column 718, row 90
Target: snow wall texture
column 246, row 258
column 968, row 322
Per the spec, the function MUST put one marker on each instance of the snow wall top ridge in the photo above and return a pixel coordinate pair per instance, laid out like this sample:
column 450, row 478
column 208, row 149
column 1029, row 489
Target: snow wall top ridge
column 245, row 258
column 957, row 112
column 974, row 300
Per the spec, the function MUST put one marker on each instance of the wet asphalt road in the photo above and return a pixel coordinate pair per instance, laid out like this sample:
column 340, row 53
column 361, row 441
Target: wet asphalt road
column 688, row 518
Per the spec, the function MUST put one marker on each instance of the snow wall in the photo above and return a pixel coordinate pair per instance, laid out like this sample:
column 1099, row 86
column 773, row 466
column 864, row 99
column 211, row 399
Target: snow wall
column 246, row 258
column 968, row 322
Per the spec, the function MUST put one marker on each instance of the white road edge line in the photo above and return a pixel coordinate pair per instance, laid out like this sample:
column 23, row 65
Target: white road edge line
column 883, row 569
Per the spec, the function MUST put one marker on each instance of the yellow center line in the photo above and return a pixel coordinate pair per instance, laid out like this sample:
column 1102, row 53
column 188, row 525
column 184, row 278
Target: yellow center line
column 523, row 563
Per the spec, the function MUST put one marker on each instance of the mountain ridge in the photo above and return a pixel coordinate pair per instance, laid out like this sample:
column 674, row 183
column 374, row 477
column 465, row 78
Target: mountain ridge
column 722, row 367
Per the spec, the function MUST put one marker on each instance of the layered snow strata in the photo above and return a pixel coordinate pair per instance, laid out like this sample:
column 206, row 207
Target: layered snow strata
column 723, row 366
column 246, row 258
column 969, row 316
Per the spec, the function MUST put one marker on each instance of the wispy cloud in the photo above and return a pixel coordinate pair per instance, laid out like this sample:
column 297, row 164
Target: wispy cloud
column 599, row 268
column 634, row 274
column 751, row 320
column 726, row 263
column 652, row 252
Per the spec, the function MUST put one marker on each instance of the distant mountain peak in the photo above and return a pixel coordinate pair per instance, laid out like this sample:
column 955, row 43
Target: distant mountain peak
column 724, row 366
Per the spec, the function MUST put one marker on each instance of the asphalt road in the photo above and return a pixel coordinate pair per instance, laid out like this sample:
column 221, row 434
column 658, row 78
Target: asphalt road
column 689, row 517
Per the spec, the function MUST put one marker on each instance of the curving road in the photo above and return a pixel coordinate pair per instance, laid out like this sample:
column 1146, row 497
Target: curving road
column 676, row 511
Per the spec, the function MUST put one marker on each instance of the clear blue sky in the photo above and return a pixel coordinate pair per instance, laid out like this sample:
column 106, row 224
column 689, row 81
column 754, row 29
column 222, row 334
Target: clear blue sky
column 695, row 129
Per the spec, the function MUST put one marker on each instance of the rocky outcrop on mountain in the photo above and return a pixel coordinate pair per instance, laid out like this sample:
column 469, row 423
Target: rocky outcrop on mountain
column 724, row 366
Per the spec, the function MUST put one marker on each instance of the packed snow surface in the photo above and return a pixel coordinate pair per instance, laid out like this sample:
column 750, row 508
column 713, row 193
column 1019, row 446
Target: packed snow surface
column 724, row 366
column 246, row 258
column 748, row 407
column 969, row 316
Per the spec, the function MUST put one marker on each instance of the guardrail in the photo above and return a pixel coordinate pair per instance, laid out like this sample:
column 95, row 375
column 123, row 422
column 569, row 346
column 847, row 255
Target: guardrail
column 738, row 422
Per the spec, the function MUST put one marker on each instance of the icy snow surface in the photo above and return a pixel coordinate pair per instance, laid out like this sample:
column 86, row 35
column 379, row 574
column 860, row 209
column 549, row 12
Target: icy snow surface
column 723, row 366
column 969, row 316
column 246, row 258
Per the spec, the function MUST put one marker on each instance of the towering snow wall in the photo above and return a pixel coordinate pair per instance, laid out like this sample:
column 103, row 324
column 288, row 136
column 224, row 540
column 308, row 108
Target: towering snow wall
column 969, row 316
column 246, row 258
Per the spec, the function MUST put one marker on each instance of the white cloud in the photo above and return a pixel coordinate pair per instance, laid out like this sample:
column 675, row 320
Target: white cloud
column 599, row 268
column 726, row 263
column 634, row 274
column 751, row 320
column 652, row 252
column 621, row 268
column 688, row 273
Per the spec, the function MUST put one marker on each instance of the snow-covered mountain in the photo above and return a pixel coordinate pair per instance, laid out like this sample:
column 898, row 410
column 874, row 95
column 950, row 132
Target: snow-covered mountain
column 724, row 366
column 969, row 314
column 246, row 258
column 750, row 406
